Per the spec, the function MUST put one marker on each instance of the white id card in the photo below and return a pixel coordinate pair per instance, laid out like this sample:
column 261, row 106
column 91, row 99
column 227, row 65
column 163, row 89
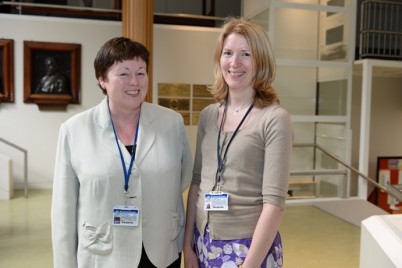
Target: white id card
column 125, row 215
column 216, row 201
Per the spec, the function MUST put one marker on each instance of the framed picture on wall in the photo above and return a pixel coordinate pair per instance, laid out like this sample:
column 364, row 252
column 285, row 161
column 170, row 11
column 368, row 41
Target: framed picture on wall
column 52, row 73
column 6, row 70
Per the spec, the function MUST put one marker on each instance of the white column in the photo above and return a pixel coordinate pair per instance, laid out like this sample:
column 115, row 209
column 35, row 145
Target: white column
column 365, row 126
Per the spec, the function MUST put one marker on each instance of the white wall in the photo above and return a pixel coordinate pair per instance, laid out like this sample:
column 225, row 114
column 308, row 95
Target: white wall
column 182, row 55
column 386, row 120
column 251, row 8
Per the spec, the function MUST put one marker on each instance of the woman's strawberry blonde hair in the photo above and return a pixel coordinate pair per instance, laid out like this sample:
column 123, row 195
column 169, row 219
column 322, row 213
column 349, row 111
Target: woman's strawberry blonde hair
column 262, row 56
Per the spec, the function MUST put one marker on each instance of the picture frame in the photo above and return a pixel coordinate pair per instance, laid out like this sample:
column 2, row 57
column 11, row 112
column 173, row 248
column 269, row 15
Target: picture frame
column 52, row 73
column 389, row 171
column 6, row 70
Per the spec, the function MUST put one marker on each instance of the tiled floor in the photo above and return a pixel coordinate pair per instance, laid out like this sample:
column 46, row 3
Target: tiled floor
column 314, row 238
column 311, row 237
column 25, row 231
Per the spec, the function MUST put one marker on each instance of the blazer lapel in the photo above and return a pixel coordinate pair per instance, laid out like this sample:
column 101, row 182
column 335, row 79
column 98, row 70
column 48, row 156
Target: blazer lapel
column 102, row 120
column 147, row 133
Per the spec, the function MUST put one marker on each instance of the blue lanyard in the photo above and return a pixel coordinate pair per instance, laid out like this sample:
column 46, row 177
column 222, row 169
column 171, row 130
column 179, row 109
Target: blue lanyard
column 127, row 173
column 219, row 156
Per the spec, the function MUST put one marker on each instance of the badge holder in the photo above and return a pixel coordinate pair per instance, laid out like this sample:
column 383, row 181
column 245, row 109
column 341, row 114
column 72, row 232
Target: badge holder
column 216, row 201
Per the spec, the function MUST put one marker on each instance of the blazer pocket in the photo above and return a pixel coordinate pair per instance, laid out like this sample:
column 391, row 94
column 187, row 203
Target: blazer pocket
column 98, row 240
column 177, row 224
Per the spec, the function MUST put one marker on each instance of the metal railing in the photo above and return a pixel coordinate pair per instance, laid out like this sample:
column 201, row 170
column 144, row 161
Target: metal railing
column 25, row 152
column 393, row 190
column 381, row 29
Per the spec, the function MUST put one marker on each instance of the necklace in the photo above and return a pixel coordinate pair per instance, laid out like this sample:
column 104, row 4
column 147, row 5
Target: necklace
column 237, row 110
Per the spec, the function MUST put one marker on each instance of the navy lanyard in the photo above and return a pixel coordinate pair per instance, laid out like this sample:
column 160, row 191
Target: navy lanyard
column 221, row 159
column 127, row 173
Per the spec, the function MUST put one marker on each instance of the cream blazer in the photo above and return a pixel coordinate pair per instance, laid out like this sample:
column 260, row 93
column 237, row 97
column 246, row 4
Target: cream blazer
column 89, row 181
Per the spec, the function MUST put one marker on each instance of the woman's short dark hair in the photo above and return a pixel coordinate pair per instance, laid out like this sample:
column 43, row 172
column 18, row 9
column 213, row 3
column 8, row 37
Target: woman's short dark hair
column 118, row 49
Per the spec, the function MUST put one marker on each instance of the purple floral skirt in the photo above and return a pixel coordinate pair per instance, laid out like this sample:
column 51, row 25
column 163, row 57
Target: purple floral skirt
column 231, row 253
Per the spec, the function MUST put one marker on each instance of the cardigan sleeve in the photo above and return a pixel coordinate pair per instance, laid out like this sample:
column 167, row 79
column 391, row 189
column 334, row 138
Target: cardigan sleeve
column 278, row 136
column 205, row 116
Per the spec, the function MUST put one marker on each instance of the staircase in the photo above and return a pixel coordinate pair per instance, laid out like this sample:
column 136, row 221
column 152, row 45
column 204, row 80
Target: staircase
column 6, row 178
column 352, row 210
column 6, row 172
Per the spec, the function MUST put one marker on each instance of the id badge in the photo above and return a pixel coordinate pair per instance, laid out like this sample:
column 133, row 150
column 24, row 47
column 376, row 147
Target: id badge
column 125, row 215
column 216, row 201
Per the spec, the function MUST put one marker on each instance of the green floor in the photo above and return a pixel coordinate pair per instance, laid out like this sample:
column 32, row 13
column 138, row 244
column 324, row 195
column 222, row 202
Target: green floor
column 311, row 237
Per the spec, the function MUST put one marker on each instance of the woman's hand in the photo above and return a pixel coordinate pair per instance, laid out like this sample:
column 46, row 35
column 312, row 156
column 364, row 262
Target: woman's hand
column 190, row 258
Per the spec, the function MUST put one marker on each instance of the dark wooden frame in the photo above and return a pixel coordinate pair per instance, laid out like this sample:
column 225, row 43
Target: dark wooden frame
column 67, row 55
column 7, row 70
